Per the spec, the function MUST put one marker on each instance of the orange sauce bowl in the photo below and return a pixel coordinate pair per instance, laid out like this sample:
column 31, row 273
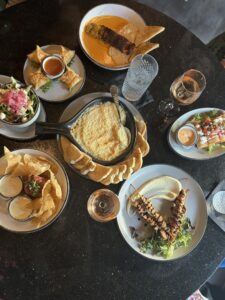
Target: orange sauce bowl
column 53, row 66
column 186, row 136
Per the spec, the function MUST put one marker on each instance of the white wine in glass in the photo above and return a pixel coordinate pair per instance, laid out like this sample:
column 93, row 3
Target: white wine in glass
column 103, row 205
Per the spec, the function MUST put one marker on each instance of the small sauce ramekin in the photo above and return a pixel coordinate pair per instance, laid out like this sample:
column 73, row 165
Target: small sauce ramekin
column 189, row 129
column 53, row 66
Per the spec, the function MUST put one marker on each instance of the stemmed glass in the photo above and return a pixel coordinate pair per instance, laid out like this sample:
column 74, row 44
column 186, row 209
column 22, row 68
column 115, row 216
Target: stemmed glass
column 184, row 90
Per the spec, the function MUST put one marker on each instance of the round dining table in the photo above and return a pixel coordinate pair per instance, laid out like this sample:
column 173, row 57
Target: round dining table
column 77, row 257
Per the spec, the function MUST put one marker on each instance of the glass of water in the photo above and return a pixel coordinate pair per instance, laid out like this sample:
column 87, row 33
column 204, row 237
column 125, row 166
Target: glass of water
column 143, row 69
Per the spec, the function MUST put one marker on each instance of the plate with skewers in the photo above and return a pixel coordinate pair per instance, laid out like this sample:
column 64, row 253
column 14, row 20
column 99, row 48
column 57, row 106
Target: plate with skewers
column 163, row 213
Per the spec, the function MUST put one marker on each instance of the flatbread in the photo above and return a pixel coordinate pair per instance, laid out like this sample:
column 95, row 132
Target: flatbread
column 143, row 49
column 70, row 78
column 37, row 79
column 146, row 33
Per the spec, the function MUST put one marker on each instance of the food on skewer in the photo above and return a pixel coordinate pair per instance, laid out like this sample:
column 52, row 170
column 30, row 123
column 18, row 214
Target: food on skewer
column 110, row 37
column 170, row 232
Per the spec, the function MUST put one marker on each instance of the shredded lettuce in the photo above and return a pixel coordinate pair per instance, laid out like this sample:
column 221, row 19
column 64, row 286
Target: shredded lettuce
column 213, row 147
column 157, row 246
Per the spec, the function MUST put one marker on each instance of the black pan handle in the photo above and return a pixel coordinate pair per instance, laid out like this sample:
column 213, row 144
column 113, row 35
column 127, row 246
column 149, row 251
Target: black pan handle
column 43, row 128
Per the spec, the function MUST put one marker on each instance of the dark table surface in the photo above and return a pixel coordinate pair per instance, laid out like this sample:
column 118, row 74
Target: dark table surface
column 77, row 258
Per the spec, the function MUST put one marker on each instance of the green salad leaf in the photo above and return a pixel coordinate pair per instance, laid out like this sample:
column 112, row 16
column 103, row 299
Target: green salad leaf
column 46, row 86
column 164, row 248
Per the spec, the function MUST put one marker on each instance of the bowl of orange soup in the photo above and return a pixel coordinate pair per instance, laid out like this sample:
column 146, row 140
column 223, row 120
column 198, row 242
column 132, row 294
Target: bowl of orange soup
column 113, row 16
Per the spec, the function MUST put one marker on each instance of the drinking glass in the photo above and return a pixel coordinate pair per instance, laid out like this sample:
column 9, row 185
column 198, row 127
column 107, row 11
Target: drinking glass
column 143, row 69
column 103, row 205
column 184, row 90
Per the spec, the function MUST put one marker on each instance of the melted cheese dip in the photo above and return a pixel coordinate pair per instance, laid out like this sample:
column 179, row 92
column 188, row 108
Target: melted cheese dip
column 99, row 132
column 10, row 186
column 20, row 208
column 97, row 49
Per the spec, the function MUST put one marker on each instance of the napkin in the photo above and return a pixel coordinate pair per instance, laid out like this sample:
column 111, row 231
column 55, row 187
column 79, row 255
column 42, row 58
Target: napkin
column 217, row 217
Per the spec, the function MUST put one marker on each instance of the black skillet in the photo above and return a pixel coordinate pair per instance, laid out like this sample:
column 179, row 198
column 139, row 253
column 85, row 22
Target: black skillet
column 63, row 128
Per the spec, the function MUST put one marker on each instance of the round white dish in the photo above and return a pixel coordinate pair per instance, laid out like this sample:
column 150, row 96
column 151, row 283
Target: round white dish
column 58, row 91
column 193, row 152
column 17, row 133
column 21, row 126
column 195, row 205
column 109, row 10
column 8, row 223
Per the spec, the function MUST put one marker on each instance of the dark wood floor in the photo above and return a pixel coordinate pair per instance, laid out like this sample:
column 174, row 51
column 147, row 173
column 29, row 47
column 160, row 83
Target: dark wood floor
column 205, row 18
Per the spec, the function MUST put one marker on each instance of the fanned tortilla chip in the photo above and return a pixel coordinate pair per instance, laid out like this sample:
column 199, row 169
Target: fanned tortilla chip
column 146, row 33
column 71, row 153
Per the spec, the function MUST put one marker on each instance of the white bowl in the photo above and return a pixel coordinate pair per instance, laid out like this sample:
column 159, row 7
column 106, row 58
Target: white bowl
column 15, row 126
column 17, row 226
column 109, row 10
column 57, row 57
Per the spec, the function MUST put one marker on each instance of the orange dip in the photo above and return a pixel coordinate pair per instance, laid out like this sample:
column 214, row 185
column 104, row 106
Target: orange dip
column 97, row 49
column 186, row 136
column 53, row 66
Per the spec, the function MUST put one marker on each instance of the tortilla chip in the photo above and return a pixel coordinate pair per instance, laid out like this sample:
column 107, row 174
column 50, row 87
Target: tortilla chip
column 57, row 191
column 71, row 153
column 90, row 167
column 84, row 162
column 142, row 144
column 138, row 159
column 100, row 172
column 130, row 163
column 119, row 176
column 8, row 162
column 146, row 33
column 35, row 166
column 141, row 127
column 143, row 49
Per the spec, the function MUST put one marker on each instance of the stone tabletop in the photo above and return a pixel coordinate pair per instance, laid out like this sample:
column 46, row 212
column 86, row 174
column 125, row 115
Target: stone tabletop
column 76, row 257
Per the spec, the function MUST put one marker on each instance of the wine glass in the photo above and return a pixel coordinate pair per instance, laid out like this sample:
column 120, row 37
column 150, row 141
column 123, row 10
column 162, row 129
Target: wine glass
column 103, row 205
column 184, row 90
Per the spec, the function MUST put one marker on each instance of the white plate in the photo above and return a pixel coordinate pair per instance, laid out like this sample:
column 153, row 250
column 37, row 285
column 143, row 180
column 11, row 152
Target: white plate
column 75, row 106
column 8, row 223
column 195, row 205
column 20, row 133
column 58, row 91
column 194, row 152
column 109, row 10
